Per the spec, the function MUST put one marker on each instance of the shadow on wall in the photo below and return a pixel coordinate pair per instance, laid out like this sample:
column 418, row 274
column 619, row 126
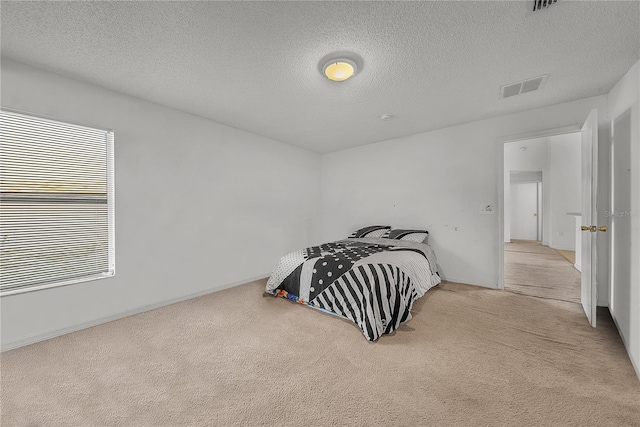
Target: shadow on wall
column 620, row 216
column 451, row 256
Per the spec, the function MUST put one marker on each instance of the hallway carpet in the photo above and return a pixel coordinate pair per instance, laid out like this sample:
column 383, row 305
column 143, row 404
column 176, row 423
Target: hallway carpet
column 539, row 271
column 470, row 356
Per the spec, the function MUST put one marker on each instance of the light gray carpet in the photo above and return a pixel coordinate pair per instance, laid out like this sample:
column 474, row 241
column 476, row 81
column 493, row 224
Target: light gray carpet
column 470, row 356
column 536, row 270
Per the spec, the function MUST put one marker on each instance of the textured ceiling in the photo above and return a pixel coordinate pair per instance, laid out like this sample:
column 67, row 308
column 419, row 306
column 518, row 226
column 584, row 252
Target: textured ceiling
column 254, row 65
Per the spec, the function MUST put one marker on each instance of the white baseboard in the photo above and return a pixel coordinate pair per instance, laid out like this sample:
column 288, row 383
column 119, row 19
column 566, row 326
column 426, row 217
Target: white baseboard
column 32, row 339
column 466, row 282
column 564, row 248
column 635, row 364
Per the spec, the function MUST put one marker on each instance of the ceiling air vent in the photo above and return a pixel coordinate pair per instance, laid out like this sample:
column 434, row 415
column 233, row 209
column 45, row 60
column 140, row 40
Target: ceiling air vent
column 542, row 4
column 519, row 88
column 532, row 84
column 510, row 90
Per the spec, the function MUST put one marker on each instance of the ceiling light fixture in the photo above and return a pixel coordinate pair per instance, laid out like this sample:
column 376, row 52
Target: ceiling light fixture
column 339, row 69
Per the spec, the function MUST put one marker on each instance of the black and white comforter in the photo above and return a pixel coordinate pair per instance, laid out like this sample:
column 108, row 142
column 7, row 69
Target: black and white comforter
column 371, row 281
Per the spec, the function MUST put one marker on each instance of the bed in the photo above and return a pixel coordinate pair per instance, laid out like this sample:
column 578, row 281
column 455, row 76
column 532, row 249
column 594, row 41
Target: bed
column 371, row 281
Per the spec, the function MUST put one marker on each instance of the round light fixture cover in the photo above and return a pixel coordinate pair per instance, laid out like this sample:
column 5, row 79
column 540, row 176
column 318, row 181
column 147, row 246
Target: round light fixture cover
column 339, row 69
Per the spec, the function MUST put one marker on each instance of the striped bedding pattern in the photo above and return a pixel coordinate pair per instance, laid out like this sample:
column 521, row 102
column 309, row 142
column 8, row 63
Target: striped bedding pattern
column 373, row 281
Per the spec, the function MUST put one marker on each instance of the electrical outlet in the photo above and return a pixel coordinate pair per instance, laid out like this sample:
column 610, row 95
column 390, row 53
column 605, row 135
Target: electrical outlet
column 487, row 210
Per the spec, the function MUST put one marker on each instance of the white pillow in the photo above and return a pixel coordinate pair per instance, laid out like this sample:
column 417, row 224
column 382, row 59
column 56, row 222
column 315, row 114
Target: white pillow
column 420, row 236
column 371, row 231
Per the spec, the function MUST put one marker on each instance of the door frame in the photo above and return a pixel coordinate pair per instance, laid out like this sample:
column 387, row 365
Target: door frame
column 540, row 211
column 500, row 142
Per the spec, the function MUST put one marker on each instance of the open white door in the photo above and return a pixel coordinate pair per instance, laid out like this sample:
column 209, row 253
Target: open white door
column 589, row 296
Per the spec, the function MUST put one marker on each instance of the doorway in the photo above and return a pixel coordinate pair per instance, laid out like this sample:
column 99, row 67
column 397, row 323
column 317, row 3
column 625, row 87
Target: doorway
column 526, row 212
column 542, row 196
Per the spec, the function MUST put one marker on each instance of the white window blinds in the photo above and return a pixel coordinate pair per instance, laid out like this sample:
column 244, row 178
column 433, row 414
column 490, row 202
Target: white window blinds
column 56, row 203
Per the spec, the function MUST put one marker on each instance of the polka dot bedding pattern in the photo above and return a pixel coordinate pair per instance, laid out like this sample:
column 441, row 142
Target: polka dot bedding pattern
column 338, row 277
column 411, row 235
column 287, row 265
column 335, row 259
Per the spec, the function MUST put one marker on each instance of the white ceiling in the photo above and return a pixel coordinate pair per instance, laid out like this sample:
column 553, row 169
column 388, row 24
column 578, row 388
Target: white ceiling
column 254, row 65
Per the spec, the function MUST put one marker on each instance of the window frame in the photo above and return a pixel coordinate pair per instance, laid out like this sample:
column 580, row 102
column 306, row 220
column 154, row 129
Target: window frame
column 110, row 174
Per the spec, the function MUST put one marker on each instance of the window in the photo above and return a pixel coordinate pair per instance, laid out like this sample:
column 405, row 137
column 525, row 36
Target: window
column 56, row 203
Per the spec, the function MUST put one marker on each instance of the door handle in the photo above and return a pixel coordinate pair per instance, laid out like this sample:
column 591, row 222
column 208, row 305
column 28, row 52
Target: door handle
column 593, row 228
column 535, row 214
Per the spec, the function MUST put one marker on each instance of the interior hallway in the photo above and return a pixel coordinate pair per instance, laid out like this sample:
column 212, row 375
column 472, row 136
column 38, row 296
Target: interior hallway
column 536, row 270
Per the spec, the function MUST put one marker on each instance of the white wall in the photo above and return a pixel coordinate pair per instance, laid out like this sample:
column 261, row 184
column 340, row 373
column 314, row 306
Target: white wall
column 624, row 110
column 565, row 186
column 438, row 180
column 199, row 205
